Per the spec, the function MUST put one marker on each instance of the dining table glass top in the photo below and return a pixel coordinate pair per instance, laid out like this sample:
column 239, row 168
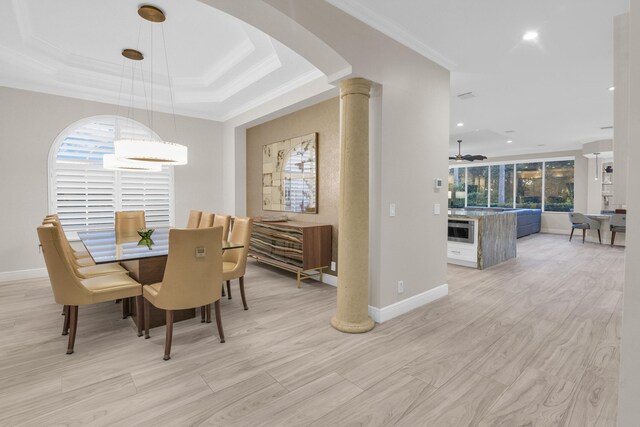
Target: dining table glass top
column 106, row 246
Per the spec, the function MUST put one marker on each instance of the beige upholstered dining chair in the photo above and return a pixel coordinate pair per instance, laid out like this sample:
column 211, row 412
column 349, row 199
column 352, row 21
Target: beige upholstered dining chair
column 584, row 223
column 223, row 221
column 194, row 219
column 71, row 291
column 192, row 278
column 206, row 220
column 82, row 268
column 78, row 254
column 129, row 222
column 79, row 258
column 234, row 261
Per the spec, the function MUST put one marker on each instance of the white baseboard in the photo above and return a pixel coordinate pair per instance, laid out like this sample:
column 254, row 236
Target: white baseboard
column 381, row 315
column 11, row 276
column 327, row 279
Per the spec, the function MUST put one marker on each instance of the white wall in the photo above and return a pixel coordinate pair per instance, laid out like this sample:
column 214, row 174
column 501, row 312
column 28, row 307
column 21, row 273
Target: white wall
column 629, row 409
column 620, row 108
column 31, row 121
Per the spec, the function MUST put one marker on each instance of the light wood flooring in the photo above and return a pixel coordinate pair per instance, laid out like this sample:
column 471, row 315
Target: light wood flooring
column 532, row 342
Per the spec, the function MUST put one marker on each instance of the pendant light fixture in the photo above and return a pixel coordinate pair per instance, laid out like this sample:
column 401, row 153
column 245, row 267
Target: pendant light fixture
column 155, row 152
column 110, row 162
column 597, row 167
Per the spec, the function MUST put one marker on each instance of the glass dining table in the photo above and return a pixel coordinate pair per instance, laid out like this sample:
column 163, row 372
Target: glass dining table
column 144, row 259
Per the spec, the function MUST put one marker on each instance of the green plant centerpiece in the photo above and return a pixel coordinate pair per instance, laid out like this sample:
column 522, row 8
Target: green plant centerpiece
column 145, row 234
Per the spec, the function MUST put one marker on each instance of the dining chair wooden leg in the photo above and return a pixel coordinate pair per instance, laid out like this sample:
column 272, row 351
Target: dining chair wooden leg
column 146, row 319
column 73, row 322
column 229, row 288
column 584, row 234
column 224, row 294
column 125, row 307
column 65, row 323
column 202, row 314
column 140, row 313
column 208, row 313
column 599, row 236
column 571, row 235
column 613, row 237
column 244, row 298
column 169, row 336
column 216, row 306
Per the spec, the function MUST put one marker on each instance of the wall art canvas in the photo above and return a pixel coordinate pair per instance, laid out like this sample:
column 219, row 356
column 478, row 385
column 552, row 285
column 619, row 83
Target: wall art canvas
column 289, row 175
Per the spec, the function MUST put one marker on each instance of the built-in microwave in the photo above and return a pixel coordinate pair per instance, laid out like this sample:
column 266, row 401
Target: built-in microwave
column 461, row 230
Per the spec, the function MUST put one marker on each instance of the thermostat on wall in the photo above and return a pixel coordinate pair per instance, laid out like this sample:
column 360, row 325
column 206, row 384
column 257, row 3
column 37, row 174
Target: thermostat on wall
column 437, row 184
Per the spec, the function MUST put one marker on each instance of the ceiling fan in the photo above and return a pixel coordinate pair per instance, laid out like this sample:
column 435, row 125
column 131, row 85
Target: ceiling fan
column 468, row 157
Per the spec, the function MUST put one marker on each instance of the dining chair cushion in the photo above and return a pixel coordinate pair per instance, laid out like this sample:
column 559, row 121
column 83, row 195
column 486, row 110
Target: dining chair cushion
column 84, row 262
column 241, row 234
column 194, row 219
column 100, row 270
column 580, row 226
column 111, row 287
column 193, row 275
column 129, row 222
column 223, row 221
column 206, row 220
column 618, row 229
column 68, row 288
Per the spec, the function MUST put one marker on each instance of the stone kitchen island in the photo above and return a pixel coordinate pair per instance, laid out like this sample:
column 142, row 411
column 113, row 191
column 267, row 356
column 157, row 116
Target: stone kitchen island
column 481, row 238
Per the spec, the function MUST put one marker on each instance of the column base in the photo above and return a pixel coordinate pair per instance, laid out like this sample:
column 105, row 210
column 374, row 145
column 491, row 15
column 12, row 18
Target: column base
column 353, row 328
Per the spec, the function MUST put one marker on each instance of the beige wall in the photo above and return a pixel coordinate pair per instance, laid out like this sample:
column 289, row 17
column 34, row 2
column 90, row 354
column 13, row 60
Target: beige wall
column 323, row 118
column 29, row 124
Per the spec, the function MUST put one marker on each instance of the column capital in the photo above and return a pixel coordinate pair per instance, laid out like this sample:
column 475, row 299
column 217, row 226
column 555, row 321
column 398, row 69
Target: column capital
column 355, row 86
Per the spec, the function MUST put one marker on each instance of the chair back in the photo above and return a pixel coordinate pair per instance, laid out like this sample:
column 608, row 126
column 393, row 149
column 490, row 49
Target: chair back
column 129, row 222
column 577, row 218
column 241, row 233
column 66, row 286
column 66, row 246
column 193, row 276
column 194, row 219
column 618, row 220
column 206, row 220
column 223, row 221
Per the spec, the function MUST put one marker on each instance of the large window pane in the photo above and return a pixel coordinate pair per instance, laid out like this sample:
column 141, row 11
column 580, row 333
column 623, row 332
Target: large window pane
column 456, row 187
column 529, row 185
column 477, row 188
column 558, row 187
column 502, row 186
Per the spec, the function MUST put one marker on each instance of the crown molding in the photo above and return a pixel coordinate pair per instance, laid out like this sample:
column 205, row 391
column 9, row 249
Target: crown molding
column 391, row 29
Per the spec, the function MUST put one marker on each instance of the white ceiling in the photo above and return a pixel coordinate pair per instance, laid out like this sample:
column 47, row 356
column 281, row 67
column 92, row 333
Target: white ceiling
column 552, row 93
column 219, row 66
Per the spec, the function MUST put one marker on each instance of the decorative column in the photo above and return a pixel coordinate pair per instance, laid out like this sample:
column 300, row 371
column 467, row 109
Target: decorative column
column 352, row 314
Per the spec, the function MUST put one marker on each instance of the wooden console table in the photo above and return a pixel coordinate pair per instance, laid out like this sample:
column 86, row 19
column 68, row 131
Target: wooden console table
column 303, row 248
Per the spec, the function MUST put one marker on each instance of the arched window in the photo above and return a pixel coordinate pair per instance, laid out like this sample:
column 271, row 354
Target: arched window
column 85, row 195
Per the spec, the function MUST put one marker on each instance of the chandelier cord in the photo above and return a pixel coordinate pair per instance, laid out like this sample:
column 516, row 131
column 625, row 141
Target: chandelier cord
column 120, row 94
column 173, row 108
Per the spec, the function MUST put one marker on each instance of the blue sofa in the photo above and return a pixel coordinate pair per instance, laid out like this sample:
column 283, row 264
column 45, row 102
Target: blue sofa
column 529, row 220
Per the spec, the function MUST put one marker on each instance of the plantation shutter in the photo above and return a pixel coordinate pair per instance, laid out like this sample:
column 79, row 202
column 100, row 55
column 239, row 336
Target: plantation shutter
column 86, row 196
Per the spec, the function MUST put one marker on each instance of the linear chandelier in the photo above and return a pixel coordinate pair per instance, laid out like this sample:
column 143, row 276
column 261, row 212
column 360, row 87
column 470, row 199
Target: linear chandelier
column 133, row 153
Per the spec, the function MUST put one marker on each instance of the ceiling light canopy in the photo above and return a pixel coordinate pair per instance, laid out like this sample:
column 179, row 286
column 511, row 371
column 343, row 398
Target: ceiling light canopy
column 612, row 88
column 530, row 36
column 460, row 124
column 509, row 141
column 134, row 154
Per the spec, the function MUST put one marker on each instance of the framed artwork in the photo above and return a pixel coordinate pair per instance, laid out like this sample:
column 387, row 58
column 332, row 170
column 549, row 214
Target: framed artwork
column 290, row 176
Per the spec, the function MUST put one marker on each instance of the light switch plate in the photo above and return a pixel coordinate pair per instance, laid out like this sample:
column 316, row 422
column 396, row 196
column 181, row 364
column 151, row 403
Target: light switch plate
column 333, row 265
column 436, row 208
column 392, row 209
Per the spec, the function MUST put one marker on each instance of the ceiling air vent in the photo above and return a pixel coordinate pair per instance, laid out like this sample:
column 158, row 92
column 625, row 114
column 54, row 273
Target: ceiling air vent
column 466, row 95
column 606, row 127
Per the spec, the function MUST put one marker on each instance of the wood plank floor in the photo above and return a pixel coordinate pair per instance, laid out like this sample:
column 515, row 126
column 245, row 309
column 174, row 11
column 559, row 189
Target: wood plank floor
column 531, row 342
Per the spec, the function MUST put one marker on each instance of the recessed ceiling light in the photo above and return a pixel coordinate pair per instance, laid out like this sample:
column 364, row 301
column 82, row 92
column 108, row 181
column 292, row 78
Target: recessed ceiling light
column 612, row 88
column 460, row 124
column 530, row 36
column 509, row 141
